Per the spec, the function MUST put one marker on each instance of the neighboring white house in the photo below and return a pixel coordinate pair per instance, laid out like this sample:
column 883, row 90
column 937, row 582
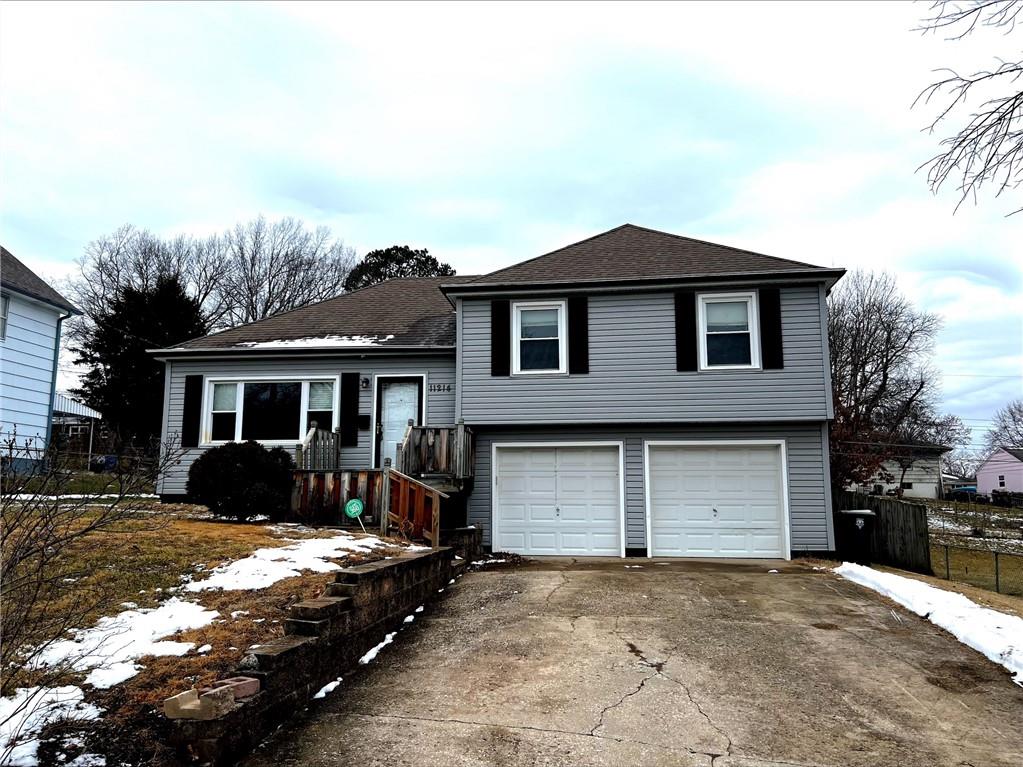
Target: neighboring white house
column 923, row 477
column 1002, row 471
column 31, row 314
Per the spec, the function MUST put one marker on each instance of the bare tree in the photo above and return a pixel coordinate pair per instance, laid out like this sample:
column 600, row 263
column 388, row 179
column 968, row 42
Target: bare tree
column 279, row 266
column 962, row 462
column 250, row 272
column 1007, row 427
column 880, row 352
column 44, row 592
column 987, row 148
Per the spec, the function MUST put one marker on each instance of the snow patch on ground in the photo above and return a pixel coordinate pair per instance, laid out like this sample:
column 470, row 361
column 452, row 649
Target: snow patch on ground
column 108, row 651
column 317, row 341
column 88, row 760
column 265, row 567
column 996, row 635
column 29, row 710
column 77, row 496
column 479, row 562
column 327, row 689
column 372, row 654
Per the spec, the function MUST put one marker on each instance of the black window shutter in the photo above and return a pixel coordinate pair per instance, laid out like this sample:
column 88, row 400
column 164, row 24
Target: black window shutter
column 349, row 409
column 772, row 356
column 685, row 330
column 500, row 337
column 578, row 335
column 191, row 415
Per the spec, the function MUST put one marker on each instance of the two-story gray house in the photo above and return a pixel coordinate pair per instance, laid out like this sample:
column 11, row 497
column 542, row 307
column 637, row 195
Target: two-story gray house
column 634, row 393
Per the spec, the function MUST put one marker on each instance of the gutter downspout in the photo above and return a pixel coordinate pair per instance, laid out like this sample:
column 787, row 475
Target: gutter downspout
column 53, row 380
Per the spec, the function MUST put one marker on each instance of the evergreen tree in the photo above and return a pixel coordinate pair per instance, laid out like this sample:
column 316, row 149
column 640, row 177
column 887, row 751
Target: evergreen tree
column 124, row 382
column 395, row 261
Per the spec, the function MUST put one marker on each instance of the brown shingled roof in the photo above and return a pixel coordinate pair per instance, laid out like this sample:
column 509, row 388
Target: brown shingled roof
column 630, row 252
column 399, row 312
column 15, row 276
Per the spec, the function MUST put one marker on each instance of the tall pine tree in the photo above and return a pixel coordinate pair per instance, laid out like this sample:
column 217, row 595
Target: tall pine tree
column 124, row 382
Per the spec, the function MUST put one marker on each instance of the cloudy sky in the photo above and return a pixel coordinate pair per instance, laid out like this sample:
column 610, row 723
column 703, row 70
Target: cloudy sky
column 490, row 134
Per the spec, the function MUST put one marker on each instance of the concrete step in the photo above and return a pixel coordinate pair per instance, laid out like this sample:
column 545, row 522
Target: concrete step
column 321, row 608
column 295, row 626
column 341, row 590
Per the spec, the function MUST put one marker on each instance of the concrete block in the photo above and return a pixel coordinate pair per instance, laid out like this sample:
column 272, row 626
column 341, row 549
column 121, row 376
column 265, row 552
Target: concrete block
column 320, row 608
column 240, row 686
column 204, row 706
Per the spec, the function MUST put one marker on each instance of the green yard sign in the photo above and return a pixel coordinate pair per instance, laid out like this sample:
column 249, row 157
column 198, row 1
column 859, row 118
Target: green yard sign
column 354, row 508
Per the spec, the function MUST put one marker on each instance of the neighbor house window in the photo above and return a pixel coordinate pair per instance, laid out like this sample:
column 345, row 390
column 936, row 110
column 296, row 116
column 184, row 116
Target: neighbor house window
column 5, row 306
column 1001, row 480
column 728, row 330
column 907, row 485
column 268, row 411
column 539, row 338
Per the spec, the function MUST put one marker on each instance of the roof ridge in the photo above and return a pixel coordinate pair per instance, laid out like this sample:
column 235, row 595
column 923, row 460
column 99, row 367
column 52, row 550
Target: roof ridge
column 719, row 245
column 556, row 250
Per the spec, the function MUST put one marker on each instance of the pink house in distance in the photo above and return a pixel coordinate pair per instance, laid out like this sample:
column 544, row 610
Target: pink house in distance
column 1002, row 471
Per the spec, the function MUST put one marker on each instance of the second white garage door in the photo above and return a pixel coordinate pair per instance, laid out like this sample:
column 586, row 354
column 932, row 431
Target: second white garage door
column 558, row 500
column 716, row 501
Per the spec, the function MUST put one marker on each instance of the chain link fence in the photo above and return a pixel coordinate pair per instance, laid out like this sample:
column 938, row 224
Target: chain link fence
column 993, row 570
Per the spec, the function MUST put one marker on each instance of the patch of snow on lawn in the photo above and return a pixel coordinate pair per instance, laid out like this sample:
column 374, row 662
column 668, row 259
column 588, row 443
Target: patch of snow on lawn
column 264, row 567
column 327, row 689
column 996, row 635
column 88, row 760
column 479, row 562
column 109, row 649
column 369, row 656
column 409, row 618
column 28, row 711
column 204, row 649
column 78, row 496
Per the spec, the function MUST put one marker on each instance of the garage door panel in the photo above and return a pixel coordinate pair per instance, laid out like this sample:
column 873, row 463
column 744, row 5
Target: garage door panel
column 571, row 496
column 742, row 483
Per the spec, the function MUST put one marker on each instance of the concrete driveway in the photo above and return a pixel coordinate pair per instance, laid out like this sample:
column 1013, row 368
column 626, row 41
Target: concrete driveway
column 685, row 663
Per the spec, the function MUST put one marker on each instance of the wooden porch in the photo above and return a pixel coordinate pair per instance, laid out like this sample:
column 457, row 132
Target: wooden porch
column 433, row 463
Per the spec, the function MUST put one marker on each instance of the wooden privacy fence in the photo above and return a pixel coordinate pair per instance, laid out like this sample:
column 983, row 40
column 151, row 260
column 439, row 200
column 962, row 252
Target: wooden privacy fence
column 396, row 502
column 900, row 537
column 436, row 450
column 319, row 497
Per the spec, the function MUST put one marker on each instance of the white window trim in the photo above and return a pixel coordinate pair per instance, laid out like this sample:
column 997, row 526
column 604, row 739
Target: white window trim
column 207, row 406
column 5, row 311
column 750, row 297
column 562, row 307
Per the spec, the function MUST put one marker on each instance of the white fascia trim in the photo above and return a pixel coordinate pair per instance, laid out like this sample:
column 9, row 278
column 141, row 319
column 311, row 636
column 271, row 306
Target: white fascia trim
column 620, row 444
column 750, row 296
column 562, row 307
column 779, row 443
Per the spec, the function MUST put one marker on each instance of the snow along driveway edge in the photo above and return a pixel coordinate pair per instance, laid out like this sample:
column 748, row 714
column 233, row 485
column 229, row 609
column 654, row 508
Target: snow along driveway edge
column 997, row 635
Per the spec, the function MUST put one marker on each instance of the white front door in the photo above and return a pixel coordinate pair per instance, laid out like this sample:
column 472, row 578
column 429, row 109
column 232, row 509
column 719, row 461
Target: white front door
column 399, row 400
column 716, row 501
column 558, row 500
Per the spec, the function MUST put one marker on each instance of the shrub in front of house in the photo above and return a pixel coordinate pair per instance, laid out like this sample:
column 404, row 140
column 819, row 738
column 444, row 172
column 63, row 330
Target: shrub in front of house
column 242, row 480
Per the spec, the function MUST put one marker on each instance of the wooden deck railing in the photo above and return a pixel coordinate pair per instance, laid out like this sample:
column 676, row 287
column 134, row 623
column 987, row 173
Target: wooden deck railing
column 399, row 504
column 413, row 508
column 447, row 450
column 320, row 450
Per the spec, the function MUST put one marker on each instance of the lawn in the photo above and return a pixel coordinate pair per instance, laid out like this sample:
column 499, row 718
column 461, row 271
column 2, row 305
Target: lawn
column 977, row 567
column 147, row 560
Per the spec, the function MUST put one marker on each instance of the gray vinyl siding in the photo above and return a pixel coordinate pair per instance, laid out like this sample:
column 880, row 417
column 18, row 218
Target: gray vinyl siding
column 440, row 405
column 808, row 475
column 632, row 370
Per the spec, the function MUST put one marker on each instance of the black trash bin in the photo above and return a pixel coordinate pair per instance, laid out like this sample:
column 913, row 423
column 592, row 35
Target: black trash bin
column 855, row 531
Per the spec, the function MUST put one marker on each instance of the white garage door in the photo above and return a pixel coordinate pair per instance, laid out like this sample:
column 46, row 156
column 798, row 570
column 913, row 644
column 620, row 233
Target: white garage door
column 716, row 501
column 558, row 500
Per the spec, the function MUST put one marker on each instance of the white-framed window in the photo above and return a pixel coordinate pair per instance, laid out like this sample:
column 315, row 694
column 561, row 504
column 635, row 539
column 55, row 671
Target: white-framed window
column 539, row 337
column 5, row 308
column 273, row 411
column 728, row 330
